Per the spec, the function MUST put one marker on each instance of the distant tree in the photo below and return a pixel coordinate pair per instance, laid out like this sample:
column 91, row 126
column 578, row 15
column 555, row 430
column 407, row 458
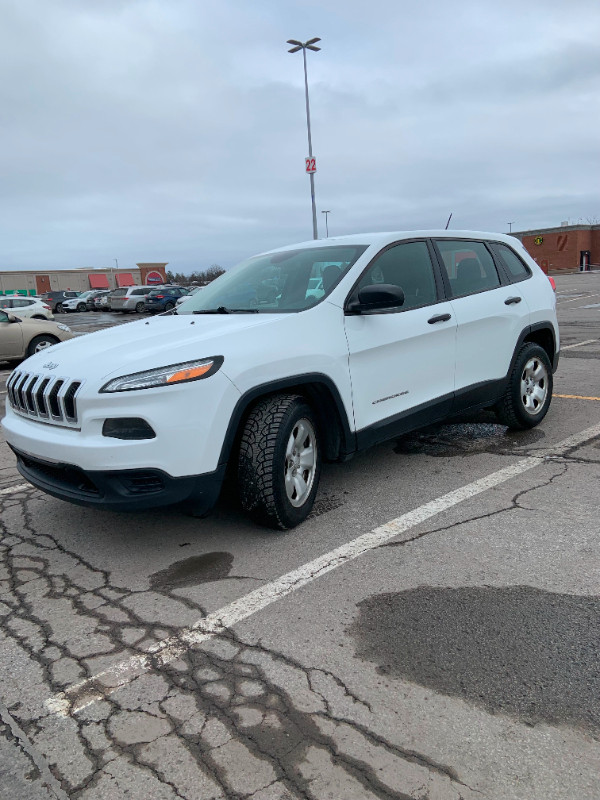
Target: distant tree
column 199, row 276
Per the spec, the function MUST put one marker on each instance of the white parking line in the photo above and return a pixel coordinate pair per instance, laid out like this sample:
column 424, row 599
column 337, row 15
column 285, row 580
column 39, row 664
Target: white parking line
column 91, row 690
column 19, row 487
column 585, row 297
column 579, row 344
column 560, row 300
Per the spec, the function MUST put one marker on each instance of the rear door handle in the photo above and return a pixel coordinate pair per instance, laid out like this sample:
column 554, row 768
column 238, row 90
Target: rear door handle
column 511, row 300
column 439, row 318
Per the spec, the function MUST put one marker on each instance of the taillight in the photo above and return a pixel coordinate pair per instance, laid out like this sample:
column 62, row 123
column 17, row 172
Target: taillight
column 159, row 297
column 552, row 282
column 46, row 307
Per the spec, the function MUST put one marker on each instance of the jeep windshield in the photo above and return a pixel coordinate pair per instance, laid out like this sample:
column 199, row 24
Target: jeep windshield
column 287, row 281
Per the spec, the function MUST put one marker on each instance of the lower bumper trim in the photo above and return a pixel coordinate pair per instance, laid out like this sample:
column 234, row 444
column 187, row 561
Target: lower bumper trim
column 120, row 490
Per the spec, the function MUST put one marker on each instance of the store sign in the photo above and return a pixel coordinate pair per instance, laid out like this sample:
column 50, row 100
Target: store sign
column 539, row 240
column 154, row 277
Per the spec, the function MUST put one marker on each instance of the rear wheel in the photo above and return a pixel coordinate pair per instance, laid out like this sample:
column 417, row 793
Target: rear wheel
column 40, row 343
column 59, row 308
column 279, row 462
column 81, row 307
column 529, row 391
column 169, row 306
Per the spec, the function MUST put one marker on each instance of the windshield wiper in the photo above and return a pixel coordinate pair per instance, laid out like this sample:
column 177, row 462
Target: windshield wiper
column 223, row 310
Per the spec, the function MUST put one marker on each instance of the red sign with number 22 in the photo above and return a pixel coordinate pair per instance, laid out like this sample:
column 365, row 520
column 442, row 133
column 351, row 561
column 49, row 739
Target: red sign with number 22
column 311, row 164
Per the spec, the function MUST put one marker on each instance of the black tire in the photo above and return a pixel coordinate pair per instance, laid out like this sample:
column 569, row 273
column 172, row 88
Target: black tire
column 40, row 343
column 169, row 306
column 81, row 307
column 263, row 461
column 140, row 308
column 59, row 308
column 38, row 316
column 525, row 406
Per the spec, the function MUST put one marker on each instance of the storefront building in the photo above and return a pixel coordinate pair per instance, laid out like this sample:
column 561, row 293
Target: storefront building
column 569, row 247
column 36, row 282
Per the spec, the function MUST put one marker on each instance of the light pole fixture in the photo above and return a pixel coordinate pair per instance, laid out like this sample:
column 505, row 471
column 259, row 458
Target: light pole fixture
column 310, row 161
column 510, row 224
column 327, row 213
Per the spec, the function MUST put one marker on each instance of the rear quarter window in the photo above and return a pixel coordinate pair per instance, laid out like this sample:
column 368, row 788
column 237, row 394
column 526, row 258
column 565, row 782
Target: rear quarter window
column 517, row 271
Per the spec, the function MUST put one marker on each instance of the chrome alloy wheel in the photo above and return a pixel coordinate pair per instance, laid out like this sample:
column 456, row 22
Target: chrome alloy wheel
column 534, row 386
column 300, row 462
column 43, row 345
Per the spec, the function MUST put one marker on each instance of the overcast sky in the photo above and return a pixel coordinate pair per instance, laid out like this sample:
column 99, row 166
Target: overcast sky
column 175, row 130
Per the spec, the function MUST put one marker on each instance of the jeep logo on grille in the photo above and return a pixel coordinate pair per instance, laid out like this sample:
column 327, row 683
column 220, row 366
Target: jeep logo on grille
column 50, row 365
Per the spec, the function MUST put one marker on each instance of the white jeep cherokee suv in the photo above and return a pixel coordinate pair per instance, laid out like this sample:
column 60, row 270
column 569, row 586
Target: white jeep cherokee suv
column 262, row 372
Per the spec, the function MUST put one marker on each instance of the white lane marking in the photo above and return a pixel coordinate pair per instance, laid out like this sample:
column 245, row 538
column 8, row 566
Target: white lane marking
column 15, row 489
column 579, row 344
column 585, row 297
column 91, row 690
column 560, row 300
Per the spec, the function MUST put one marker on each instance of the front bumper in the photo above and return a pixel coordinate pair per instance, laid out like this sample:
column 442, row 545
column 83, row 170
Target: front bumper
column 120, row 490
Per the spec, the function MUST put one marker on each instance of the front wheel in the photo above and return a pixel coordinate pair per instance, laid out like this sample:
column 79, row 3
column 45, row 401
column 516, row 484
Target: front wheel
column 140, row 308
column 527, row 397
column 169, row 306
column 81, row 307
column 279, row 462
column 40, row 343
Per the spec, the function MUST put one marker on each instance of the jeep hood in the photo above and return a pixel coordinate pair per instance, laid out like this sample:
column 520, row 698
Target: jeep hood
column 149, row 343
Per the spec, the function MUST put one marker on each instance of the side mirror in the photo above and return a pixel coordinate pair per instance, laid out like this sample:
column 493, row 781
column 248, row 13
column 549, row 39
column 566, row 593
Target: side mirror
column 376, row 298
column 12, row 318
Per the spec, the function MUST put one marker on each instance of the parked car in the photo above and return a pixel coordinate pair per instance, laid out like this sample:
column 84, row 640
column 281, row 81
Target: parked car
column 33, row 307
column 164, row 299
column 78, row 303
column 191, row 291
column 93, row 301
column 56, row 299
column 130, row 298
column 20, row 338
column 105, row 300
column 412, row 327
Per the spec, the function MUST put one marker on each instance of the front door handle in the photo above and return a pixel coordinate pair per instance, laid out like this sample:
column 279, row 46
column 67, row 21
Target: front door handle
column 439, row 318
column 512, row 300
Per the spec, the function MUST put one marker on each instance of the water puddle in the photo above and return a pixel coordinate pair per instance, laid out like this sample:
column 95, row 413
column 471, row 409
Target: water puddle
column 465, row 438
column 192, row 571
column 518, row 650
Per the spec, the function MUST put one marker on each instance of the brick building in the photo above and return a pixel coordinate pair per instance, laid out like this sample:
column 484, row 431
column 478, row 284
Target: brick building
column 45, row 280
column 568, row 247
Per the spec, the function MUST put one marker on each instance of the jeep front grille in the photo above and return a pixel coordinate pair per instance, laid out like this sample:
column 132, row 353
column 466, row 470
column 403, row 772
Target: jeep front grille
column 48, row 399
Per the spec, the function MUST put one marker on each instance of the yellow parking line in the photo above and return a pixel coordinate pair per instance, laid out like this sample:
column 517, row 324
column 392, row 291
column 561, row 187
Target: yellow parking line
column 575, row 397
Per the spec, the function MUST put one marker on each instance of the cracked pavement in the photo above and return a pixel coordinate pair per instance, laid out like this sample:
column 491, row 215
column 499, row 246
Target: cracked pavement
column 457, row 660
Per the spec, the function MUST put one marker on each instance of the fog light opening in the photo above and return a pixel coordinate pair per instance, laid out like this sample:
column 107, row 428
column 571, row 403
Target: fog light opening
column 127, row 428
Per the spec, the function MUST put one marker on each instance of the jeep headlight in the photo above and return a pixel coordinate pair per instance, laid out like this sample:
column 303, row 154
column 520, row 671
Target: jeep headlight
column 63, row 327
column 165, row 376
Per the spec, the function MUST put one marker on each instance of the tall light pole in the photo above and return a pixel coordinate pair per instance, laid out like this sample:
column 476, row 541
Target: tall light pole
column 327, row 213
column 510, row 224
column 310, row 166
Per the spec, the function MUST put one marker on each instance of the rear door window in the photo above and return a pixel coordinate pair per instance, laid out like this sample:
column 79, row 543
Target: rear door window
column 469, row 266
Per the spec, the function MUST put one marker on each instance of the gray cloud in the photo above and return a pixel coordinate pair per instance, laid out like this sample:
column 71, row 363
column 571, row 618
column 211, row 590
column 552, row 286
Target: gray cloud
column 175, row 130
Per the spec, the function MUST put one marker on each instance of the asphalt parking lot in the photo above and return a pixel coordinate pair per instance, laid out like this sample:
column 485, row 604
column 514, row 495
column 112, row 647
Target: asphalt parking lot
column 431, row 632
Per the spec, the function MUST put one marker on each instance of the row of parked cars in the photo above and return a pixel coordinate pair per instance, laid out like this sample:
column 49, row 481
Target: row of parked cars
column 138, row 299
